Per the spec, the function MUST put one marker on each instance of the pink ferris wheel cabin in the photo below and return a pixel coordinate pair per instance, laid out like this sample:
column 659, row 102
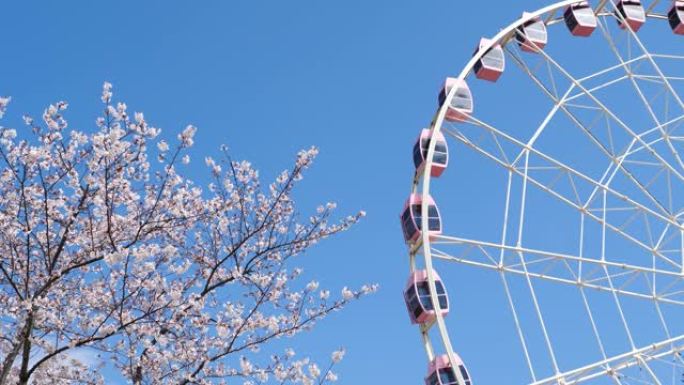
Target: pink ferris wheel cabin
column 630, row 12
column 490, row 65
column 440, row 159
column 411, row 218
column 580, row 19
column 461, row 105
column 676, row 17
column 418, row 300
column 440, row 372
column 532, row 35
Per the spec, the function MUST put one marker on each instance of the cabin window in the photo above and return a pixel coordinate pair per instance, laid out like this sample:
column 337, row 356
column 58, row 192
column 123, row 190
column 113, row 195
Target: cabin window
column 413, row 302
column 407, row 224
column 441, row 295
column 439, row 287
column 440, row 155
column 417, row 155
column 464, row 373
column 536, row 31
column 440, row 146
column 424, row 144
column 424, row 295
column 673, row 19
column 585, row 15
column 633, row 12
column 439, row 158
column 676, row 16
column 434, row 223
column 494, row 58
column 426, row 300
column 447, row 377
column 462, row 99
column 433, row 380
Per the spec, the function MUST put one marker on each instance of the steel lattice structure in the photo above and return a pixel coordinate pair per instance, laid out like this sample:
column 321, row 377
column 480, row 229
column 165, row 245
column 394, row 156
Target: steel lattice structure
column 624, row 198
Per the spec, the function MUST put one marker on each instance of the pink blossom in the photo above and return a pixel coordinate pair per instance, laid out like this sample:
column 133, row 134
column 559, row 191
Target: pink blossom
column 4, row 101
column 168, row 281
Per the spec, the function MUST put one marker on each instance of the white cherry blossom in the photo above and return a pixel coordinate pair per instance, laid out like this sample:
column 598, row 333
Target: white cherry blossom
column 104, row 251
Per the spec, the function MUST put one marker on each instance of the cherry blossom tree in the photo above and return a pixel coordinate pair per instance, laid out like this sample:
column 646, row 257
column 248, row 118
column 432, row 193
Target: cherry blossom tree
column 106, row 247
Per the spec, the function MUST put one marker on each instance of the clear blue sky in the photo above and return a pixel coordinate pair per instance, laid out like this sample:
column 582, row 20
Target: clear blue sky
column 356, row 78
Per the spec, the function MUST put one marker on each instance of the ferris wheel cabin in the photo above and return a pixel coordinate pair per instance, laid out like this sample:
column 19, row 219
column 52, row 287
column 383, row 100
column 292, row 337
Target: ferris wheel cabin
column 440, row 372
column 631, row 13
column 418, row 300
column 676, row 17
column 440, row 158
column 490, row 65
column 532, row 35
column 411, row 218
column 461, row 104
column 580, row 19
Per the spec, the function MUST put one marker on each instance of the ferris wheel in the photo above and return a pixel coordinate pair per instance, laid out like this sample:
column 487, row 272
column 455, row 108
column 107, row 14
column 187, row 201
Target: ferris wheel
column 566, row 183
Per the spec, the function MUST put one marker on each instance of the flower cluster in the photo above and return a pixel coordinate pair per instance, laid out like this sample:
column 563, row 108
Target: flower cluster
column 100, row 248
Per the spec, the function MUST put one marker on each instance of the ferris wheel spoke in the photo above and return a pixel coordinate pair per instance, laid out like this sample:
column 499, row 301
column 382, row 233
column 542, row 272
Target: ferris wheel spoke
column 592, row 320
column 672, row 124
column 667, row 56
column 661, row 77
column 518, row 327
column 609, row 153
column 645, row 365
column 567, row 197
column 553, row 164
column 656, row 79
column 606, row 151
column 623, row 64
column 636, row 61
column 598, row 87
column 616, row 365
column 650, row 58
column 526, row 273
column 675, row 361
column 646, row 186
column 504, row 279
column 563, row 268
column 661, row 319
column 543, row 254
column 652, row 6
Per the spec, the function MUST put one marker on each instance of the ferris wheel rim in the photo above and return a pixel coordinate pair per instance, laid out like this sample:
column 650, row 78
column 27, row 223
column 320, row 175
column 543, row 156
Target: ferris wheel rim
column 423, row 180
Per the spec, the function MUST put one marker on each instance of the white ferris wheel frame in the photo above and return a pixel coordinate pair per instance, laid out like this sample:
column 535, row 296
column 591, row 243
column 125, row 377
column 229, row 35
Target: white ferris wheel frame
column 609, row 366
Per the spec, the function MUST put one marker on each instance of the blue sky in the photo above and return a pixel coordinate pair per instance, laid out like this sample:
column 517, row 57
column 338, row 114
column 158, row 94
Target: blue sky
column 356, row 78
